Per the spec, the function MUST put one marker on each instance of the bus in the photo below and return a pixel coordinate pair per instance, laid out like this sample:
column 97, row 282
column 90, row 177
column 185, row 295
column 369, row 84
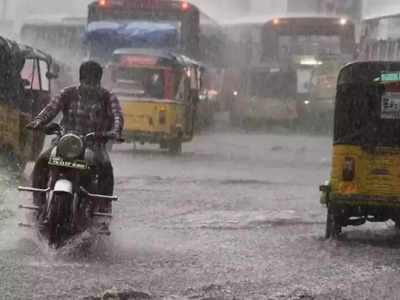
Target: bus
column 176, row 25
column 294, row 43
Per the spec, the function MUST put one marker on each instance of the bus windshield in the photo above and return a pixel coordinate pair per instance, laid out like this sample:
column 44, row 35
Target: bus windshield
column 284, row 38
column 104, row 37
column 309, row 44
column 185, row 21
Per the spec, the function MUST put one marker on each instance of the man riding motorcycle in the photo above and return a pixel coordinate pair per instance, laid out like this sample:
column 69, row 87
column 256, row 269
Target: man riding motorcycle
column 85, row 108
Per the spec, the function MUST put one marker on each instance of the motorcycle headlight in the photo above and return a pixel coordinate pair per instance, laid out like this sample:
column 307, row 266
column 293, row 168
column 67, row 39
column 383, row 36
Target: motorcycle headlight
column 70, row 146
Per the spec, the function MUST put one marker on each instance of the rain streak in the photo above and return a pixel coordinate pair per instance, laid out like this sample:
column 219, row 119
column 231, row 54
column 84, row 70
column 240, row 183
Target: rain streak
column 198, row 149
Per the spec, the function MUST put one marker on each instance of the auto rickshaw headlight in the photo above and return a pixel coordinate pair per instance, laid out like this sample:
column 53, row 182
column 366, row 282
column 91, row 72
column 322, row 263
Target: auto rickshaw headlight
column 349, row 169
column 70, row 146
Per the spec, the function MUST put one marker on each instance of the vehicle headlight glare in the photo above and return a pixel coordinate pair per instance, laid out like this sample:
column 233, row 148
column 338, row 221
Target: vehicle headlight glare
column 70, row 146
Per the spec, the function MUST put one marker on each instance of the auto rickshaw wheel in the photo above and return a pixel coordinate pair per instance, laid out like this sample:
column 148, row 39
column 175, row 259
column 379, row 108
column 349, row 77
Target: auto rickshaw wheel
column 175, row 147
column 333, row 225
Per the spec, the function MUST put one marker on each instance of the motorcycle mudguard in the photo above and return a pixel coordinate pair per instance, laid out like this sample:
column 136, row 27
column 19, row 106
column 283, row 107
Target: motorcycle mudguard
column 63, row 186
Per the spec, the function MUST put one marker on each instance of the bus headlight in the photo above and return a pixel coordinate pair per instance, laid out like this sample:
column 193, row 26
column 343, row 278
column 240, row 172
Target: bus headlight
column 70, row 146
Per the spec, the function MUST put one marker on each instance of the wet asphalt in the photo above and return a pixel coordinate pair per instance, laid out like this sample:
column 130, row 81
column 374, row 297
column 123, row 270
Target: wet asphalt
column 236, row 216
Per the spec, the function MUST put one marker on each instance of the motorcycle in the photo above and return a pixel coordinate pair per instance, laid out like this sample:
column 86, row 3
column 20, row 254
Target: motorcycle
column 72, row 204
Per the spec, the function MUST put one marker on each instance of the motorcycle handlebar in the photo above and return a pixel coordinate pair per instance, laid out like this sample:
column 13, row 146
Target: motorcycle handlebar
column 55, row 128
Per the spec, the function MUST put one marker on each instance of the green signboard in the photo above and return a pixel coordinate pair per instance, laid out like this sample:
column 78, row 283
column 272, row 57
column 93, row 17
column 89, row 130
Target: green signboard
column 390, row 76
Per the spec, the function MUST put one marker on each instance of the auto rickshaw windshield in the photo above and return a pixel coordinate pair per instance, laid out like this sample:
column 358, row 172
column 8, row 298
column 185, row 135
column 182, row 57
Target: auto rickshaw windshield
column 140, row 82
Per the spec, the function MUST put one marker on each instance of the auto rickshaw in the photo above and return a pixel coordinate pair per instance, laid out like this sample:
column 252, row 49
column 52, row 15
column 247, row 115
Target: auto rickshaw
column 24, row 91
column 158, row 91
column 365, row 177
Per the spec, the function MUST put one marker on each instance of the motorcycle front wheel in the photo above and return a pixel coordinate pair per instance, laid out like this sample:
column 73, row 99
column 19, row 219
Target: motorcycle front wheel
column 58, row 218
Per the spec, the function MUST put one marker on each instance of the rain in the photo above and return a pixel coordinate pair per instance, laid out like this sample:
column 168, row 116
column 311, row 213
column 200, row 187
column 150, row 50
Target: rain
column 199, row 149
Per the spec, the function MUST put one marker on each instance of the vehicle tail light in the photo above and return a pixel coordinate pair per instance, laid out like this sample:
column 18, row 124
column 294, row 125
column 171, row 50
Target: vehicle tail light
column 185, row 5
column 349, row 169
column 162, row 117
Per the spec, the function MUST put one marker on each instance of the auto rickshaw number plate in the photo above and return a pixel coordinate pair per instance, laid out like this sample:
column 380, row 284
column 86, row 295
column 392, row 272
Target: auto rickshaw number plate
column 390, row 76
column 390, row 106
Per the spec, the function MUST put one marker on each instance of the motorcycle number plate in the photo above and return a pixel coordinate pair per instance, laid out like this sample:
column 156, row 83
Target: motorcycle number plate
column 59, row 162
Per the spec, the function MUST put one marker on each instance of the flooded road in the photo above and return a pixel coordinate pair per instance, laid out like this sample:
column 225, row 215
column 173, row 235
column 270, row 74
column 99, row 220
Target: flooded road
column 234, row 217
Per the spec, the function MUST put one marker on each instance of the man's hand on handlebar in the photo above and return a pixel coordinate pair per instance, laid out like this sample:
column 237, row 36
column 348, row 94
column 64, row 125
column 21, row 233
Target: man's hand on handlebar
column 35, row 124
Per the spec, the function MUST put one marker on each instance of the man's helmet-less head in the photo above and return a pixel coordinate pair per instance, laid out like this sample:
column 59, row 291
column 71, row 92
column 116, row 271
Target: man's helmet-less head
column 90, row 72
